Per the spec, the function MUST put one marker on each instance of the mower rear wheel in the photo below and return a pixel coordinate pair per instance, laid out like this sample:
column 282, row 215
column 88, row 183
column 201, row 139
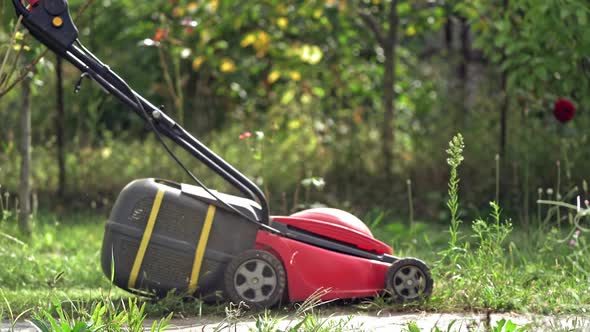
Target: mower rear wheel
column 409, row 280
column 255, row 277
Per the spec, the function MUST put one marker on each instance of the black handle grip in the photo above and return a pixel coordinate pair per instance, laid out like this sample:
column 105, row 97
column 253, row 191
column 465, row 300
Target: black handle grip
column 20, row 8
column 50, row 22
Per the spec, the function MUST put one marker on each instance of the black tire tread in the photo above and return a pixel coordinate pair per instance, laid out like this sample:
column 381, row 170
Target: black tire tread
column 396, row 266
column 271, row 259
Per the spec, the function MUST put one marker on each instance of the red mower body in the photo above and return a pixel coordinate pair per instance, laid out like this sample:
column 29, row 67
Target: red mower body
column 310, row 267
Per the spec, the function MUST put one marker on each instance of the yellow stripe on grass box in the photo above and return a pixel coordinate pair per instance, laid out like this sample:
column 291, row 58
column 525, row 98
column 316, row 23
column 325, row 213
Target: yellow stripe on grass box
column 201, row 246
column 147, row 234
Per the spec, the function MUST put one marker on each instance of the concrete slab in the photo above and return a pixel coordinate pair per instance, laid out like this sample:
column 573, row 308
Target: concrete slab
column 383, row 323
column 399, row 322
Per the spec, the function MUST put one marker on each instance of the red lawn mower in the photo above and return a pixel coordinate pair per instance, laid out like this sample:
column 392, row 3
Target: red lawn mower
column 164, row 236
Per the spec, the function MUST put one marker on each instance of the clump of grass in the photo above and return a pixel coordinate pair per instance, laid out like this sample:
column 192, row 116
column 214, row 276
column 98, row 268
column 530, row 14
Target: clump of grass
column 481, row 274
column 105, row 316
column 483, row 268
column 477, row 268
column 484, row 264
column 13, row 319
column 308, row 322
column 579, row 257
column 503, row 325
column 575, row 324
column 304, row 318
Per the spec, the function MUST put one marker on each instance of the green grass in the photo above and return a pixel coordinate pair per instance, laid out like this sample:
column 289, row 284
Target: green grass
column 479, row 263
column 526, row 272
column 62, row 258
column 62, row 261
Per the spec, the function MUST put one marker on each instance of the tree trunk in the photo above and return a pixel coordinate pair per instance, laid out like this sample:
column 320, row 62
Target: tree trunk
column 25, row 167
column 503, row 132
column 59, row 130
column 389, row 45
column 449, row 32
column 504, row 115
column 505, row 99
column 463, row 70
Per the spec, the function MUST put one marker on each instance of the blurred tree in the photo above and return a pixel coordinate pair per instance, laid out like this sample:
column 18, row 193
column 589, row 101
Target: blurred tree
column 60, row 128
column 538, row 49
column 387, row 39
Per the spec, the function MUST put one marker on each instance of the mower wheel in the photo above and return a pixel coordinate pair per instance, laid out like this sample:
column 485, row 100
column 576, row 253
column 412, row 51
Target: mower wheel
column 409, row 280
column 255, row 277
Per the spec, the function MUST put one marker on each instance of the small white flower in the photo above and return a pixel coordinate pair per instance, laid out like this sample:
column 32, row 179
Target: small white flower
column 185, row 53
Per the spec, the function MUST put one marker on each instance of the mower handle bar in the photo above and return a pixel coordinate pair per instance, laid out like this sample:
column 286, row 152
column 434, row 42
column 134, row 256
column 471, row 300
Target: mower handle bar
column 21, row 10
column 63, row 40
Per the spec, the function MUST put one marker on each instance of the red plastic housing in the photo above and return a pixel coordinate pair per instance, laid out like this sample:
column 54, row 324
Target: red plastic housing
column 310, row 268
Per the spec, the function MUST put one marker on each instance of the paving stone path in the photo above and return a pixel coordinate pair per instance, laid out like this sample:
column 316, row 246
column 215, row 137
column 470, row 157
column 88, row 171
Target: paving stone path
column 383, row 323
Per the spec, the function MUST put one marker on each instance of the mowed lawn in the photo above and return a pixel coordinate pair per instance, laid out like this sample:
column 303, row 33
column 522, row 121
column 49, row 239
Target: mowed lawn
column 62, row 260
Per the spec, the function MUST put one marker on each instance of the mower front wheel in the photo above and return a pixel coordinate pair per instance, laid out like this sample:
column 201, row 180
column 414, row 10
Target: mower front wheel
column 409, row 280
column 255, row 277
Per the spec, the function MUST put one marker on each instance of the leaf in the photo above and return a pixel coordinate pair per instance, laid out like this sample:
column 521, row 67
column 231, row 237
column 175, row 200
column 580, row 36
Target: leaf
column 40, row 325
column 404, row 8
column 192, row 7
column 198, row 62
column 227, row 65
column 288, row 96
column 564, row 12
column 299, row 325
column 541, row 72
column 283, row 22
column 500, row 40
column 318, row 91
column 222, row 45
column 582, row 17
column 65, row 327
column 413, row 327
column 80, row 327
column 510, row 326
column 499, row 325
column 273, row 76
column 295, row 76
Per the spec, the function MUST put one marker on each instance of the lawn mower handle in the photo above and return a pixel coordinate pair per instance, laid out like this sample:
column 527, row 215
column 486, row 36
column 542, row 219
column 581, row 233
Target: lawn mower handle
column 49, row 21
column 21, row 10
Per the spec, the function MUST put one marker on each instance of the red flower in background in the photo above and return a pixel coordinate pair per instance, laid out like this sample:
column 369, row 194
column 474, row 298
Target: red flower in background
column 564, row 110
column 160, row 34
column 245, row 135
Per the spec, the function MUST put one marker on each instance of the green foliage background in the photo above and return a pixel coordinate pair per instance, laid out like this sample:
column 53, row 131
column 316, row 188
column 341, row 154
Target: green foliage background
column 307, row 76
